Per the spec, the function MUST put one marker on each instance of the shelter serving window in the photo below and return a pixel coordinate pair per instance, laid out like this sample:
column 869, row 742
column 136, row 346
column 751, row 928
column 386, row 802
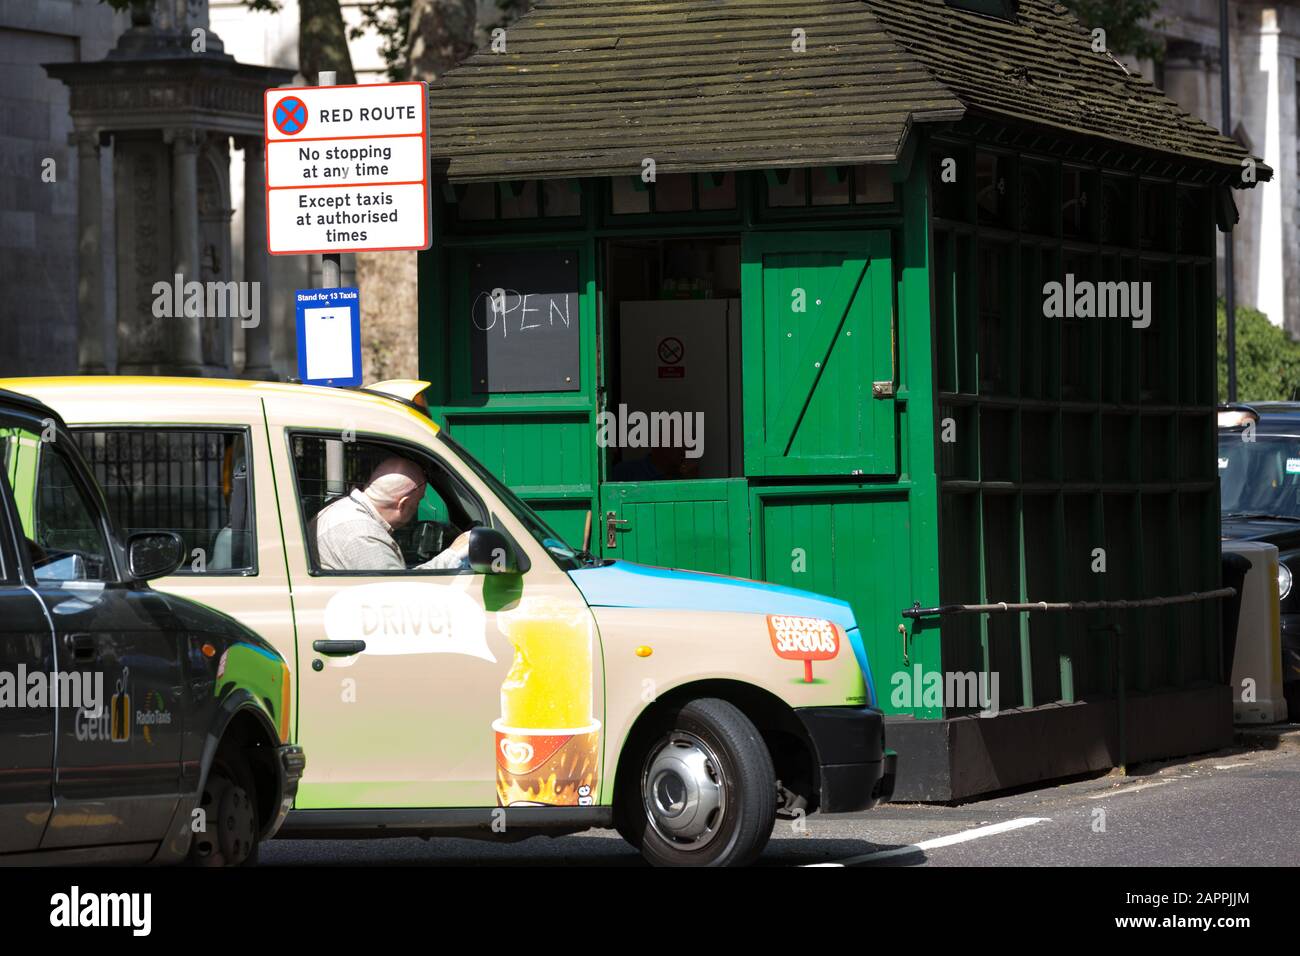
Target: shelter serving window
column 673, row 367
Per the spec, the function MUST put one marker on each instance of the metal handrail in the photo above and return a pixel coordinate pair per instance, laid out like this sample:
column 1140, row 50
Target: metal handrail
column 1004, row 607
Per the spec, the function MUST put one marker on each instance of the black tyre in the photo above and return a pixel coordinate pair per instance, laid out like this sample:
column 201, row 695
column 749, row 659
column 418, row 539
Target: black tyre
column 230, row 821
column 703, row 792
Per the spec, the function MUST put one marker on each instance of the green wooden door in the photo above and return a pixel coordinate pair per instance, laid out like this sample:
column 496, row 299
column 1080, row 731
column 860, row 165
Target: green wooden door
column 817, row 335
column 698, row 525
column 852, row 543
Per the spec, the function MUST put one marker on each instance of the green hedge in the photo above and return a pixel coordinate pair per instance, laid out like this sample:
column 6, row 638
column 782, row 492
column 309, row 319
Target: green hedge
column 1268, row 359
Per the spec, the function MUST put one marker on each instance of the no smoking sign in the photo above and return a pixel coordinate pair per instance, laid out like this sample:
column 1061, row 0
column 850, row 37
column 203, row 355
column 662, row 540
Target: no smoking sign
column 671, row 352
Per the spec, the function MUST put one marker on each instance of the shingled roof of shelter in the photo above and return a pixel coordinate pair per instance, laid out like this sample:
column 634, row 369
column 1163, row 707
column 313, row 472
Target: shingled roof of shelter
column 1042, row 69
column 590, row 88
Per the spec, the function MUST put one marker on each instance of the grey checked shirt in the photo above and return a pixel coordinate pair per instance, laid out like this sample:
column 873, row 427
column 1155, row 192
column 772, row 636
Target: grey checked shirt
column 350, row 536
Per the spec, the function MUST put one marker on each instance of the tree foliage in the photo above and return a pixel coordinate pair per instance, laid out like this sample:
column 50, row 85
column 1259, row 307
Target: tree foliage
column 441, row 35
column 322, row 41
column 390, row 20
column 1126, row 22
column 1268, row 359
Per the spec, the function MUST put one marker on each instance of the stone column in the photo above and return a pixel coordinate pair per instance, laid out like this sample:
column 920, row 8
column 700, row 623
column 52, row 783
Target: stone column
column 1264, row 113
column 257, row 267
column 91, row 307
column 187, row 341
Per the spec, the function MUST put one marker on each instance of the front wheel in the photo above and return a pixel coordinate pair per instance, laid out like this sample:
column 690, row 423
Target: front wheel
column 706, row 791
column 229, row 818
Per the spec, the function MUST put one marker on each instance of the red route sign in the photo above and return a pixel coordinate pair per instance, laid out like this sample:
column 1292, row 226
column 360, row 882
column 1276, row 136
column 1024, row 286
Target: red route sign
column 290, row 116
column 347, row 168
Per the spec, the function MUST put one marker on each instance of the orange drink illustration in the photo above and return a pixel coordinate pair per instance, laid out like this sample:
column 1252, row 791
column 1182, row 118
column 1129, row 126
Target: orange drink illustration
column 547, row 739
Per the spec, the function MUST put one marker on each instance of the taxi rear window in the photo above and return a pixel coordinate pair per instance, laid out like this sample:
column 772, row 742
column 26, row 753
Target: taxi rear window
column 195, row 482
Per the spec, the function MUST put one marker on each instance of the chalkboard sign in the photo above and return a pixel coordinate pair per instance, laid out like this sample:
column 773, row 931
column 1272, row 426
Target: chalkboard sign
column 524, row 327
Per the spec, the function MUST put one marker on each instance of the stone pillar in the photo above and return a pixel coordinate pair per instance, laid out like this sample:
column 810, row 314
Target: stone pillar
column 1265, row 114
column 257, row 339
column 91, row 307
column 187, row 340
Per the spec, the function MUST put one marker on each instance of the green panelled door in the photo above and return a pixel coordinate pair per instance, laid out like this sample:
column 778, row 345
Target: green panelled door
column 853, row 543
column 699, row 525
column 817, row 335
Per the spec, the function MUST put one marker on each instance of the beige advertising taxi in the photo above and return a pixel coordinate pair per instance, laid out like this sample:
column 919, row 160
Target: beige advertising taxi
column 459, row 669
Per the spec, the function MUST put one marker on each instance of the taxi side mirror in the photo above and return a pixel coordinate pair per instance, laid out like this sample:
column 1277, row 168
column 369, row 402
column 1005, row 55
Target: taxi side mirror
column 154, row 554
column 490, row 552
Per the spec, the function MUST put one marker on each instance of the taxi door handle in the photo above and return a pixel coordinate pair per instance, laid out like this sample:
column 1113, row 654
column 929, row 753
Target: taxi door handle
column 338, row 648
column 83, row 647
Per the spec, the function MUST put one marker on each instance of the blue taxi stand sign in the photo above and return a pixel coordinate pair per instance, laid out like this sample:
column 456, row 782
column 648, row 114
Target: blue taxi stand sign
column 329, row 336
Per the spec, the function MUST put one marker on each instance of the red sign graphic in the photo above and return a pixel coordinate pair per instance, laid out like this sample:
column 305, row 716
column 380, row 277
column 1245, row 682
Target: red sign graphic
column 804, row 639
column 290, row 116
column 524, row 754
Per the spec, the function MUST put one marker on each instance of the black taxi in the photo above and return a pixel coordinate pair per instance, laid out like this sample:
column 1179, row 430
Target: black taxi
column 135, row 726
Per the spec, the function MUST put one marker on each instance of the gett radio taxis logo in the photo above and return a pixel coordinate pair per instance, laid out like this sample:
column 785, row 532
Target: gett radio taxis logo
column 153, row 714
column 113, row 723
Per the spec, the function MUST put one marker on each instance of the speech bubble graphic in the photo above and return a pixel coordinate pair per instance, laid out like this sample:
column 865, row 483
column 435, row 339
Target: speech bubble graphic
column 409, row 618
column 804, row 639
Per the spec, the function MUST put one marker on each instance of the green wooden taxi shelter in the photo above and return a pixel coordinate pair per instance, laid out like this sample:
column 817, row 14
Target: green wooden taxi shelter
column 911, row 302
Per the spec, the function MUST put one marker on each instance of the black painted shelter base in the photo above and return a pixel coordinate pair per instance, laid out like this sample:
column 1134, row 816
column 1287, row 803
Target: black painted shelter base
column 964, row 757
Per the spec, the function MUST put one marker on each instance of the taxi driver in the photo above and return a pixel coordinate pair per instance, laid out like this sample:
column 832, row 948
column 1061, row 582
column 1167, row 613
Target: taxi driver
column 355, row 533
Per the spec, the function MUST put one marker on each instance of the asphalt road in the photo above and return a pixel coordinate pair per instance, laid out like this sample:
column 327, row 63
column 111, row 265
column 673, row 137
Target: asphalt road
column 1240, row 808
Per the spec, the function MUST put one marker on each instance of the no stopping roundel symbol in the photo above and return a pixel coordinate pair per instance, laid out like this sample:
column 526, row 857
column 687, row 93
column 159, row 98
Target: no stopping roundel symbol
column 290, row 115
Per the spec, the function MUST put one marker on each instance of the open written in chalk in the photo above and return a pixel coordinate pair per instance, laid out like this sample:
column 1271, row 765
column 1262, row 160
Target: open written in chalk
column 524, row 326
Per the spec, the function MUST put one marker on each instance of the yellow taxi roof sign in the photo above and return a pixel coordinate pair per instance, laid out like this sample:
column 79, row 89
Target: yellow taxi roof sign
column 407, row 389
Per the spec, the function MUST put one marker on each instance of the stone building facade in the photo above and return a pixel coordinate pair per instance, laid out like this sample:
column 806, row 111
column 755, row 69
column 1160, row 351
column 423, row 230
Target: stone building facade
column 39, row 178
column 41, row 163
column 1265, row 41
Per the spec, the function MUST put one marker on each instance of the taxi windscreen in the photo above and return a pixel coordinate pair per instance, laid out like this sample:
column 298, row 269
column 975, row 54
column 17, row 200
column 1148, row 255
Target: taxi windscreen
column 1259, row 477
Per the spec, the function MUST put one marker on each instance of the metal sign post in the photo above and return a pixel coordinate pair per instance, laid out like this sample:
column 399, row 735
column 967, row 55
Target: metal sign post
column 330, row 262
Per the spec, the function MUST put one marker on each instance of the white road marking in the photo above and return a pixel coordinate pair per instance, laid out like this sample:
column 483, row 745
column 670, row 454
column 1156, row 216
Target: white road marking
column 965, row 836
column 1123, row 790
column 1233, row 766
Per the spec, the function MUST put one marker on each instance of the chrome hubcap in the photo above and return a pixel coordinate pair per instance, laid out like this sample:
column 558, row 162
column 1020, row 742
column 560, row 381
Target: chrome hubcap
column 684, row 792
